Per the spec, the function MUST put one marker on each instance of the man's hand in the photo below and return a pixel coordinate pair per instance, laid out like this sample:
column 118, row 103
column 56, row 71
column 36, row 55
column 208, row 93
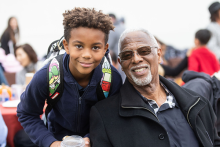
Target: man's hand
column 87, row 142
column 56, row 144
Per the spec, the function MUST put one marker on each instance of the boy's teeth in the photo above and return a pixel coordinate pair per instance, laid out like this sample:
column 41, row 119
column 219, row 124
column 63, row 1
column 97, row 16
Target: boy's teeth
column 139, row 70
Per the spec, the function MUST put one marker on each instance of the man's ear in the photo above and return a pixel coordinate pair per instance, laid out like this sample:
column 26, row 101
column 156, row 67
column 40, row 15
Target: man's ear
column 119, row 61
column 65, row 44
column 159, row 54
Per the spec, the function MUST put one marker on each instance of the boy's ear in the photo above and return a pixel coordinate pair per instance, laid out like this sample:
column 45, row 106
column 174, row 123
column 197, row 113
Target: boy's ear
column 65, row 44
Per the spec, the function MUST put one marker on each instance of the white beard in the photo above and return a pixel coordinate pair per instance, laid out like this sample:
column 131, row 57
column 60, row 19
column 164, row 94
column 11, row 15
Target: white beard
column 142, row 81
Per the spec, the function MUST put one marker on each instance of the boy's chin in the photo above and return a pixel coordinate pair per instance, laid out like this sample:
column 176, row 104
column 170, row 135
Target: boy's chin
column 86, row 71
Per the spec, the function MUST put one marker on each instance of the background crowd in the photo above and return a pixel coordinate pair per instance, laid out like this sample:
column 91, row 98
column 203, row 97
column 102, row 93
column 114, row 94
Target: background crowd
column 18, row 59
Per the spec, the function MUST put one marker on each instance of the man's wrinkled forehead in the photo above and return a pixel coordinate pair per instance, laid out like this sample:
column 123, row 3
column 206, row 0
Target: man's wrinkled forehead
column 136, row 39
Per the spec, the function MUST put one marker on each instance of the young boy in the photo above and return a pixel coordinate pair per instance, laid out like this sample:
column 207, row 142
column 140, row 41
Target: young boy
column 86, row 35
column 201, row 58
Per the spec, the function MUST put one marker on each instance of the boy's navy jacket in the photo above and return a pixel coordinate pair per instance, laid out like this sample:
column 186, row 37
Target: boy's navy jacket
column 66, row 118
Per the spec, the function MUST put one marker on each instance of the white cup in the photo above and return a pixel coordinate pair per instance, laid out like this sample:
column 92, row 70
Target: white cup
column 29, row 77
column 16, row 91
column 73, row 141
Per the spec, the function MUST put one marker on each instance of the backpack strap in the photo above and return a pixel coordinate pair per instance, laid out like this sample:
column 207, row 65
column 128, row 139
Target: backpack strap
column 99, row 92
column 55, row 46
column 105, row 87
column 51, row 47
column 54, row 82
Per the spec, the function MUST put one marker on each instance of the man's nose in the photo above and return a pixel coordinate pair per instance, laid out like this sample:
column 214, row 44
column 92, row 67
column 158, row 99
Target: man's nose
column 136, row 58
column 87, row 53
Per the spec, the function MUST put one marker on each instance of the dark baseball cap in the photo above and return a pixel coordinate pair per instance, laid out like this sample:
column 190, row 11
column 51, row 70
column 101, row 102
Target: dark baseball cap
column 214, row 7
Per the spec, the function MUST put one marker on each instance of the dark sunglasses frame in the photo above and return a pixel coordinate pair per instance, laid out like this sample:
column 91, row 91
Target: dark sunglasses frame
column 137, row 52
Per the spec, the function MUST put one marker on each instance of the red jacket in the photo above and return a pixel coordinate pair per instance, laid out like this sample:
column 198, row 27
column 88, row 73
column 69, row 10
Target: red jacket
column 203, row 60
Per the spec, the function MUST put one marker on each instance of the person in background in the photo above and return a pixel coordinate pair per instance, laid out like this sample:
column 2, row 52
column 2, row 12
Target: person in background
column 4, row 131
column 122, row 20
column 27, row 57
column 114, row 35
column 163, row 49
column 214, row 28
column 199, row 58
column 10, row 36
column 175, row 57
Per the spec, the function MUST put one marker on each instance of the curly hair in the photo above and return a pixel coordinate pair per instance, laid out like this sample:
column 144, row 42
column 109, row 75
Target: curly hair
column 86, row 17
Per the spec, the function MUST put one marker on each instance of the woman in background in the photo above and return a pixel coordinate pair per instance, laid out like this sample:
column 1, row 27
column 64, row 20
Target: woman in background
column 27, row 57
column 10, row 36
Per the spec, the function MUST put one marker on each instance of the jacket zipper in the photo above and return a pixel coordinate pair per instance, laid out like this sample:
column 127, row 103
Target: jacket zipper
column 79, row 109
column 79, row 112
column 209, row 137
column 189, row 111
column 191, row 125
column 142, row 108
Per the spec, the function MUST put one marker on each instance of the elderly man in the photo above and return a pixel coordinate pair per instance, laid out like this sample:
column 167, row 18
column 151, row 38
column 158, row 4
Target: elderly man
column 150, row 111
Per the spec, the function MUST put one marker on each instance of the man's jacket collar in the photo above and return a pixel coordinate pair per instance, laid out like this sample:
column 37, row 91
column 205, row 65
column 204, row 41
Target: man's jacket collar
column 131, row 99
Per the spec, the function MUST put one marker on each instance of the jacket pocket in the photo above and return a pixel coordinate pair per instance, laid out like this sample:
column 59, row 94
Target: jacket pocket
column 208, row 137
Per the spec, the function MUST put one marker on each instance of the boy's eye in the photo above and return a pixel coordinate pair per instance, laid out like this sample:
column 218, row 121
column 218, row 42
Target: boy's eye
column 96, row 48
column 79, row 46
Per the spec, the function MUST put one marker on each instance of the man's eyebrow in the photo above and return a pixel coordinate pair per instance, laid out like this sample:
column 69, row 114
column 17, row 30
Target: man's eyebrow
column 144, row 46
column 125, row 49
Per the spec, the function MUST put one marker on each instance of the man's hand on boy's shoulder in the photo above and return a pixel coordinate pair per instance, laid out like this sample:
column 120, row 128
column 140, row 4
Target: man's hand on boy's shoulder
column 56, row 144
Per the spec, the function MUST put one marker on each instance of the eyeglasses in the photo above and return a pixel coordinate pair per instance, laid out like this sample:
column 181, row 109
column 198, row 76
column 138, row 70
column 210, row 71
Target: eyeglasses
column 142, row 51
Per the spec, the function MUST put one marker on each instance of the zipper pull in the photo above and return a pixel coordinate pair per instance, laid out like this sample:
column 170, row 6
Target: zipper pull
column 80, row 100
